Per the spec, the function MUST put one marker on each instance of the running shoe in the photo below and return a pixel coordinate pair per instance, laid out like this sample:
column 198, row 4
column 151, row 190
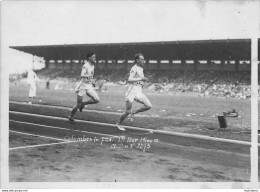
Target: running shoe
column 120, row 127
column 71, row 120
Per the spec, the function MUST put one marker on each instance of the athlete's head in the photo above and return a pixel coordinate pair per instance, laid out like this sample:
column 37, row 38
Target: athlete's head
column 139, row 59
column 91, row 57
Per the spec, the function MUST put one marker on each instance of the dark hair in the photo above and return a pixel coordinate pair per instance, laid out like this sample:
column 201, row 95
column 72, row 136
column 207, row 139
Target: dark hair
column 137, row 56
column 90, row 55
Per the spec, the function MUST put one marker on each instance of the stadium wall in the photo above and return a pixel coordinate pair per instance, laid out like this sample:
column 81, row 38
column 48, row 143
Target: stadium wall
column 183, row 66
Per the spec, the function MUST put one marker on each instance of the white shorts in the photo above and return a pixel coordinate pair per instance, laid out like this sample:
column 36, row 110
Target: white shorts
column 135, row 93
column 87, row 89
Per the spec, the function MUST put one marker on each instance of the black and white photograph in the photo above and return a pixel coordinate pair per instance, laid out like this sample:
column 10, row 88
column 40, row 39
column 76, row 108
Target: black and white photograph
column 130, row 94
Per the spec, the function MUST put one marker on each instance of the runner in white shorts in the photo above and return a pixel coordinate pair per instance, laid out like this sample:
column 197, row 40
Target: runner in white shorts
column 85, row 86
column 134, row 92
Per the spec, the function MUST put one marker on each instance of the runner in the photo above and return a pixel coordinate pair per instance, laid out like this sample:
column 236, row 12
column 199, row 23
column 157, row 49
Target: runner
column 134, row 92
column 85, row 86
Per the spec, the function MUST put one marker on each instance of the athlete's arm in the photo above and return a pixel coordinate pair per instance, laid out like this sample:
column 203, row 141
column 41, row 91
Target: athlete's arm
column 133, row 79
column 145, row 79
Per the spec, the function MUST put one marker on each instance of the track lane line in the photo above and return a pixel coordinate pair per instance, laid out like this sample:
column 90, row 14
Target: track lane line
column 69, row 108
column 38, row 135
column 83, row 121
column 62, row 128
column 42, row 145
column 183, row 135
column 64, row 141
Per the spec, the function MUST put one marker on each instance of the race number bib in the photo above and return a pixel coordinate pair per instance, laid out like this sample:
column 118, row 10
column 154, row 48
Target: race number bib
column 141, row 83
column 87, row 79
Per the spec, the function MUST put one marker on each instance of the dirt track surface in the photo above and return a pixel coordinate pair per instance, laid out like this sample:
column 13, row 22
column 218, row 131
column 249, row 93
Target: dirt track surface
column 92, row 162
column 191, row 126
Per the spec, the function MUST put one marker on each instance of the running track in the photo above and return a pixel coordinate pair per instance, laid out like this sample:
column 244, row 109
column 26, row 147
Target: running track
column 44, row 148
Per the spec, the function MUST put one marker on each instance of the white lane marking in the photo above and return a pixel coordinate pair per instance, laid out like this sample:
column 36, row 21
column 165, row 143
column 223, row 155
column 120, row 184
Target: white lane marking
column 185, row 135
column 42, row 145
column 69, row 109
column 37, row 135
column 64, row 141
column 82, row 121
column 38, row 124
column 66, row 108
column 61, row 118
column 53, row 127
column 202, row 137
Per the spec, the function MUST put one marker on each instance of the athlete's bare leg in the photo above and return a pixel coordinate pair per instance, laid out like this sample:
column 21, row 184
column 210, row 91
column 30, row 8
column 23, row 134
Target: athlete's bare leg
column 91, row 101
column 146, row 106
column 75, row 108
column 94, row 100
column 123, row 116
column 127, row 112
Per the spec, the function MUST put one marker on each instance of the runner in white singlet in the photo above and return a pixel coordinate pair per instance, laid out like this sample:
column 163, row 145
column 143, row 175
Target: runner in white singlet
column 134, row 92
column 85, row 86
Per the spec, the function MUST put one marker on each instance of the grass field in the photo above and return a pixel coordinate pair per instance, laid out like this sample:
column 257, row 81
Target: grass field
column 190, row 114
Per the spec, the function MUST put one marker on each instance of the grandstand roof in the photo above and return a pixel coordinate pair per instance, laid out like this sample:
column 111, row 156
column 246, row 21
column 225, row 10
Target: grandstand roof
column 200, row 49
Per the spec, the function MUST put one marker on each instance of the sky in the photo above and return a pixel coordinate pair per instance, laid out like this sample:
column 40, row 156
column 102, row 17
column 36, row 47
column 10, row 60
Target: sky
column 81, row 22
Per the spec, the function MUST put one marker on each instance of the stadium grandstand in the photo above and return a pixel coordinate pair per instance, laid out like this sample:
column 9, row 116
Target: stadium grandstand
column 219, row 68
